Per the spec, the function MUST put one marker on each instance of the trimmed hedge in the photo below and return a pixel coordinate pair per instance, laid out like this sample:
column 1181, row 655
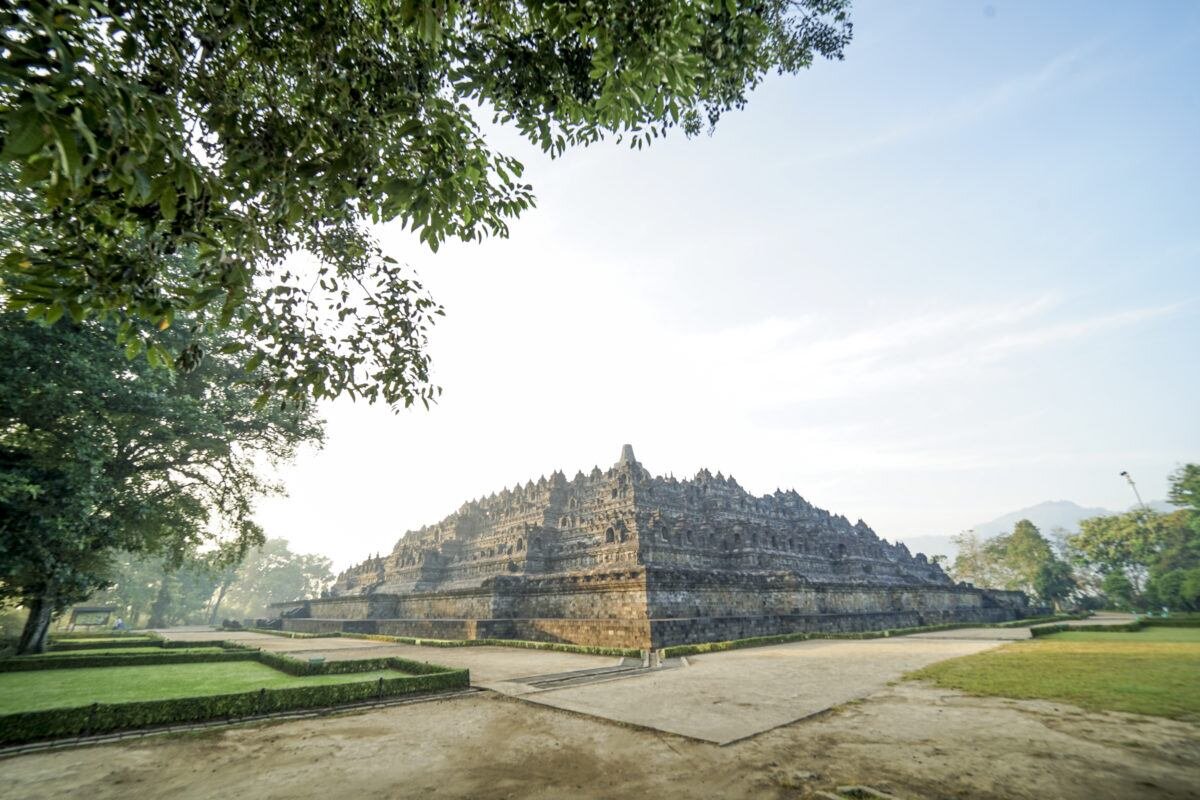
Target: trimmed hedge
column 226, row 643
column 85, row 660
column 784, row 638
column 561, row 647
column 141, row 641
column 290, row 634
column 105, row 634
column 1172, row 622
column 107, row 717
column 300, row 668
column 1127, row 627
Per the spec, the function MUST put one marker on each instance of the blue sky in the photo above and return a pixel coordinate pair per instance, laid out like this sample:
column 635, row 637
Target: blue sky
column 954, row 275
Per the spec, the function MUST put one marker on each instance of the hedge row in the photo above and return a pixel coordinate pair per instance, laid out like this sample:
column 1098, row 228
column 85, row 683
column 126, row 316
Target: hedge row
column 104, row 634
column 1172, row 622
column 784, row 638
column 107, row 717
column 1127, row 627
column 289, row 634
column 141, row 641
column 561, row 647
column 300, row 668
column 84, row 660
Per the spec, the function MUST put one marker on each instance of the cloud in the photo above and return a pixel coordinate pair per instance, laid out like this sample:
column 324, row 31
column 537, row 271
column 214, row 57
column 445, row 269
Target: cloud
column 780, row 362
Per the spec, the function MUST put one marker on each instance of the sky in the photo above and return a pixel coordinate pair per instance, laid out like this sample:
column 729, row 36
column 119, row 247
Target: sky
column 953, row 275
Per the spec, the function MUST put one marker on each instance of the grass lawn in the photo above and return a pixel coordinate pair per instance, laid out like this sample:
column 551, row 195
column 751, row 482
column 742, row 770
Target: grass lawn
column 1153, row 671
column 123, row 651
column 66, row 688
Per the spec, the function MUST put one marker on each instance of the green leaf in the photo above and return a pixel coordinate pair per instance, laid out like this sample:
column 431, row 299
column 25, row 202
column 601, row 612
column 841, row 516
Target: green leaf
column 167, row 199
column 27, row 133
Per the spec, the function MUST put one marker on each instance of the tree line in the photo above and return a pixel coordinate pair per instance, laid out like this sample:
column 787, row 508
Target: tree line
column 150, row 592
column 1141, row 560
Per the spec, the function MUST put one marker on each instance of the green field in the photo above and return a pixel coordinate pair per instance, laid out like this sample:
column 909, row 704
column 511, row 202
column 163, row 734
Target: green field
column 1153, row 671
column 66, row 688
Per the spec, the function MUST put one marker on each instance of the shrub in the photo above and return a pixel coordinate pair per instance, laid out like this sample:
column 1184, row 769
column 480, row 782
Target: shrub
column 800, row 636
column 562, row 647
column 84, row 660
column 290, row 634
column 102, row 644
column 106, row 717
column 300, row 668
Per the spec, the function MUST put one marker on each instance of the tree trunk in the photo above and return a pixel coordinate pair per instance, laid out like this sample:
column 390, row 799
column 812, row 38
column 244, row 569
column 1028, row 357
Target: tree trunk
column 212, row 620
column 37, row 627
column 162, row 604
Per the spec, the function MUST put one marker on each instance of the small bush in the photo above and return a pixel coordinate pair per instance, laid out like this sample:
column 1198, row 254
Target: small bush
column 299, row 668
column 85, row 660
column 104, row 634
column 101, row 644
column 800, row 636
column 291, row 634
column 1172, row 622
column 103, row 718
column 561, row 647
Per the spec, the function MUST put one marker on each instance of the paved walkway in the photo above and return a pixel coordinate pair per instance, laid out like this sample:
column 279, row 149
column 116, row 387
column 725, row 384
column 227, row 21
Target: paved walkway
column 715, row 697
column 725, row 697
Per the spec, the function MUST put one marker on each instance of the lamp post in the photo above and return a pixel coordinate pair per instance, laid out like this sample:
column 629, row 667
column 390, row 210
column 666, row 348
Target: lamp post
column 1125, row 474
column 1145, row 511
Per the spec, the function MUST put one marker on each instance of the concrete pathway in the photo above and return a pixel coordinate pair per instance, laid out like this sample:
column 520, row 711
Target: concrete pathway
column 715, row 697
column 726, row 697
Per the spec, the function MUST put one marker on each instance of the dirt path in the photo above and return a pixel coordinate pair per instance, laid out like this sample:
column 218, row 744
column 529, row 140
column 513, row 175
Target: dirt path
column 916, row 740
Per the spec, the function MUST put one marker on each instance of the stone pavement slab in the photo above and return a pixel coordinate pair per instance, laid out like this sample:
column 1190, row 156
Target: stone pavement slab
column 726, row 697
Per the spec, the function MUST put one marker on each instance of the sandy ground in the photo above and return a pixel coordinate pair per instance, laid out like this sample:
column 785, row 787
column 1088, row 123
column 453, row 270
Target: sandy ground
column 915, row 740
column 911, row 739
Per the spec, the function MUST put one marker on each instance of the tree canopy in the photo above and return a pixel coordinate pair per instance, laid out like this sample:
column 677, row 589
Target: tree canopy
column 1021, row 560
column 204, row 587
column 240, row 133
column 100, row 455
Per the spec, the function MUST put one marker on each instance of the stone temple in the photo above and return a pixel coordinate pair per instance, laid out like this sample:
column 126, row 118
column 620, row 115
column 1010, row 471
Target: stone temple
column 621, row 558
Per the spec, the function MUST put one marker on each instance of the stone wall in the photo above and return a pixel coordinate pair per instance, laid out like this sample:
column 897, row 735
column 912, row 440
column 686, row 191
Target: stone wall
column 643, row 608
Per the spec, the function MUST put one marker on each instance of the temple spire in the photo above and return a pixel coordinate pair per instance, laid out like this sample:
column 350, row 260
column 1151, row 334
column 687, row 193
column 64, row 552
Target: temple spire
column 627, row 456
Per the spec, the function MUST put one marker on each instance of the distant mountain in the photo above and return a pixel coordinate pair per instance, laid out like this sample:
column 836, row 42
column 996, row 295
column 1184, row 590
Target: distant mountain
column 1046, row 516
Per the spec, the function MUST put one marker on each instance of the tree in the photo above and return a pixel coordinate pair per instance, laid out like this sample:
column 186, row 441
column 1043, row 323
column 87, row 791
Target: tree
column 185, row 592
column 133, row 585
column 1122, row 543
column 1022, row 560
column 101, row 456
column 1119, row 590
column 1174, row 574
column 241, row 133
column 1054, row 581
column 272, row 573
column 971, row 564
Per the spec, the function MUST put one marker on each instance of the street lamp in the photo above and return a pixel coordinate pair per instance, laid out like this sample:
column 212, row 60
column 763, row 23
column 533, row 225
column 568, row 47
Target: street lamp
column 1136, row 493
